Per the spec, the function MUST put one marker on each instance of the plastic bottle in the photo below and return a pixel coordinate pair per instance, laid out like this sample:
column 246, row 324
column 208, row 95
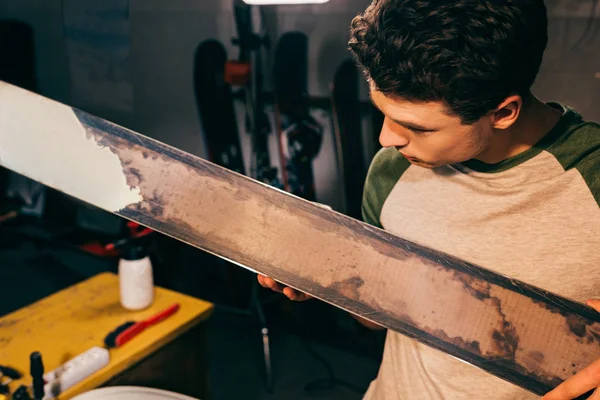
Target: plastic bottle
column 136, row 279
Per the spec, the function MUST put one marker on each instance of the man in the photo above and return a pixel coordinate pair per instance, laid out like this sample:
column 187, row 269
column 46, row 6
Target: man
column 474, row 165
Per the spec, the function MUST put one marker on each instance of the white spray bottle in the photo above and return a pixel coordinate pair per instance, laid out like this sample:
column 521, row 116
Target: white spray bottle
column 136, row 279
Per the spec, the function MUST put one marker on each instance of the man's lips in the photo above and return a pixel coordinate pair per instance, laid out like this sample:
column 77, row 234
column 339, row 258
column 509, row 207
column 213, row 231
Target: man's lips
column 409, row 157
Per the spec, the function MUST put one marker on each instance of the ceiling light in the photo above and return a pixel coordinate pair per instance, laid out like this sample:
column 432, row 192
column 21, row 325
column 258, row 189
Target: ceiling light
column 283, row 2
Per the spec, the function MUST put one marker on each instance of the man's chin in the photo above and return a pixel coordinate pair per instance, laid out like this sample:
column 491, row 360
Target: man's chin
column 423, row 164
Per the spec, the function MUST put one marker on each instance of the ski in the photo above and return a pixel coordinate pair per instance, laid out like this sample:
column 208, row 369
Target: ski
column 251, row 40
column 516, row 331
column 346, row 121
column 215, row 106
column 299, row 134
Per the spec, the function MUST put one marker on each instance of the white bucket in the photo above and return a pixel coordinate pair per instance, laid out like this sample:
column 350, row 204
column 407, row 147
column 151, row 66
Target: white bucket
column 131, row 393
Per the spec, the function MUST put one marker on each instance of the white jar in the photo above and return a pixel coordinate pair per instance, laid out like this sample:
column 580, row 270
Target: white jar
column 136, row 279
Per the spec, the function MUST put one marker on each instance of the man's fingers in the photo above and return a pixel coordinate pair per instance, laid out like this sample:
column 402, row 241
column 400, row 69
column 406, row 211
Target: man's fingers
column 587, row 379
column 269, row 283
column 261, row 280
column 594, row 303
column 595, row 396
column 583, row 382
column 265, row 281
column 273, row 285
column 295, row 295
column 290, row 293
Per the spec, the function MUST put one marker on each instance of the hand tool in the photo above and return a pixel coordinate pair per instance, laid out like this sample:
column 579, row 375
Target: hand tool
column 37, row 373
column 127, row 331
column 7, row 375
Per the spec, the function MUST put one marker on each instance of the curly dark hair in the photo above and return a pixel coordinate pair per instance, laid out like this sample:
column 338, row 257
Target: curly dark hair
column 470, row 54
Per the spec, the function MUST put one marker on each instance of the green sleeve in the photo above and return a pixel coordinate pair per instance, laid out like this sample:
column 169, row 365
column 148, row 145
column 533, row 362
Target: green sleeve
column 580, row 150
column 384, row 172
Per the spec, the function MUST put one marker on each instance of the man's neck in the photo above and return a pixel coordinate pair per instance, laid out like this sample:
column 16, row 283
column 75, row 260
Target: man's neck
column 535, row 121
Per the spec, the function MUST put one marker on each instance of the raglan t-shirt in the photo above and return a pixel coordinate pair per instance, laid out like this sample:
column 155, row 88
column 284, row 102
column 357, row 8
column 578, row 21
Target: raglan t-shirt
column 534, row 217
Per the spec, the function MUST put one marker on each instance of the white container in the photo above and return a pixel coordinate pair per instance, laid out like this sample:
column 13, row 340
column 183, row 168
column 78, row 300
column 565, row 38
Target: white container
column 74, row 371
column 136, row 279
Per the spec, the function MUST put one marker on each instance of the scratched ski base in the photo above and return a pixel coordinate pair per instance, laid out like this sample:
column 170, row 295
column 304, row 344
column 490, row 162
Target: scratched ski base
column 515, row 331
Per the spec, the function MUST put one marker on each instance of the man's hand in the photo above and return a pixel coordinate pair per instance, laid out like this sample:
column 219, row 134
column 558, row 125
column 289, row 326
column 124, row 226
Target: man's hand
column 292, row 294
column 296, row 295
column 584, row 381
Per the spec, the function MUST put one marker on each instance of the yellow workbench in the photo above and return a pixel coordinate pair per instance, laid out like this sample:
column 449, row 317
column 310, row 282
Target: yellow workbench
column 75, row 319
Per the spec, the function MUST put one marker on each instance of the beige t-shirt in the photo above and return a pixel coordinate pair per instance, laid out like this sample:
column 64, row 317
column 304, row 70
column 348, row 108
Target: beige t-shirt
column 534, row 217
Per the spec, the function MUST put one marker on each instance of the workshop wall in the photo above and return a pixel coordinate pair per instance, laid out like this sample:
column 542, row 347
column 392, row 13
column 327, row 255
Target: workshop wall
column 570, row 71
column 164, row 35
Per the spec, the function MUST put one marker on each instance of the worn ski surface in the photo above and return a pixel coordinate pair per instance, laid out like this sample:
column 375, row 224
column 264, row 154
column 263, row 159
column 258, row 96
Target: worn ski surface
column 513, row 330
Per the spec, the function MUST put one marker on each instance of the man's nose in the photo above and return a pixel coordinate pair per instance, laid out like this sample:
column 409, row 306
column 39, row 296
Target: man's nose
column 389, row 138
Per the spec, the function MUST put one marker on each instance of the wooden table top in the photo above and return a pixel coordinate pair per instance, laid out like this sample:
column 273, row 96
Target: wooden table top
column 73, row 320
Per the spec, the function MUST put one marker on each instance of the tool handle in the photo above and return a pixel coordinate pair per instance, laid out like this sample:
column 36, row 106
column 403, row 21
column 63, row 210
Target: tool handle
column 155, row 319
column 10, row 372
column 37, row 373
column 130, row 333
column 139, row 327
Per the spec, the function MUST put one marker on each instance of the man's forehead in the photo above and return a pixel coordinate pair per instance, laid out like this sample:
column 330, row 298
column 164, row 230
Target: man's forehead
column 399, row 108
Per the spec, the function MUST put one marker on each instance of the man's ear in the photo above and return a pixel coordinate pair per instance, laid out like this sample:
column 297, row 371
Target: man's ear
column 507, row 112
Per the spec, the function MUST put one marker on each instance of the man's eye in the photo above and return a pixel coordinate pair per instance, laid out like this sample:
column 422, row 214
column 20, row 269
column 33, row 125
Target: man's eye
column 419, row 131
